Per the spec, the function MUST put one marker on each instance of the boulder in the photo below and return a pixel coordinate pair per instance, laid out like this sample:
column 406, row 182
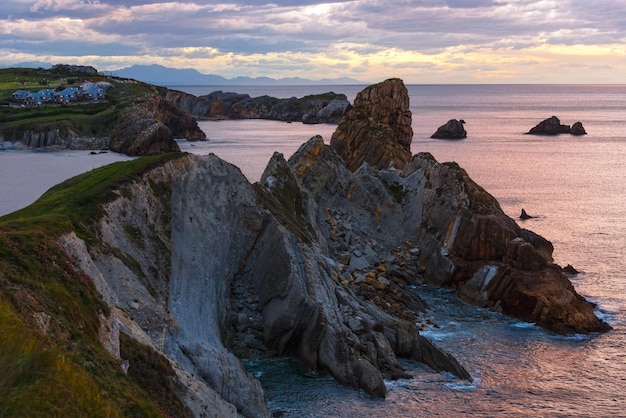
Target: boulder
column 377, row 130
column 453, row 129
column 578, row 129
column 553, row 126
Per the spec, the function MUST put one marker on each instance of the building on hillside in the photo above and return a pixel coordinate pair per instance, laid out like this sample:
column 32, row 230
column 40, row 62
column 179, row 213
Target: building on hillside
column 47, row 94
column 93, row 93
column 105, row 85
column 34, row 99
column 67, row 95
column 20, row 95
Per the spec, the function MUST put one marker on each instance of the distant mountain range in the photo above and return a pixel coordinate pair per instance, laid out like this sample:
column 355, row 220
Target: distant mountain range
column 164, row 76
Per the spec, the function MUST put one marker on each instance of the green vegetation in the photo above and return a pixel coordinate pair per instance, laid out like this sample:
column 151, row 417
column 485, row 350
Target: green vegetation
column 93, row 119
column 51, row 362
column 152, row 372
column 77, row 200
column 287, row 203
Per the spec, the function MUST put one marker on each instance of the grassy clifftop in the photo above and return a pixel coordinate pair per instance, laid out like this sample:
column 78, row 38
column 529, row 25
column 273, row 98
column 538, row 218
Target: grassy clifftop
column 86, row 119
column 51, row 361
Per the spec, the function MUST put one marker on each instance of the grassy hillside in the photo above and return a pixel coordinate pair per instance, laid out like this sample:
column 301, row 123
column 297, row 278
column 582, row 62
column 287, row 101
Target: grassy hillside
column 85, row 119
column 51, row 362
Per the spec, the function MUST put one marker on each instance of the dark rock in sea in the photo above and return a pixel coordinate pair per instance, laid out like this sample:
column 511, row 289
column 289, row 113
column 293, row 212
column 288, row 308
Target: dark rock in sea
column 570, row 270
column 469, row 244
column 550, row 126
column 318, row 108
column 525, row 215
column 553, row 126
column 377, row 130
column 578, row 129
column 453, row 129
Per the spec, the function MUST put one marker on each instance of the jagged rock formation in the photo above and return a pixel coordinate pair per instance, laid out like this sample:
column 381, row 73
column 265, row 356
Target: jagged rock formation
column 468, row 243
column 453, row 129
column 377, row 130
column 318, row 108
column 151, row 127
column 553, row 126
column 210, row 232
column 524, row 215
column 315, row 261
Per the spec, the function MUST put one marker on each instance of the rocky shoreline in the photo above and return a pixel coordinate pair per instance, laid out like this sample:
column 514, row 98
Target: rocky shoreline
column 318, row 108
column 317, row 261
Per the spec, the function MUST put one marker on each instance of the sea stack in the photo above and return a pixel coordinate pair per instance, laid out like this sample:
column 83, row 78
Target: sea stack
column 377, row 130
column 453, row 129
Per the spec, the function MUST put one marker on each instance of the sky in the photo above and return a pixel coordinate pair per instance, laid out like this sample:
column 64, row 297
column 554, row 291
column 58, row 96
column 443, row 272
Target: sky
column 420, row 41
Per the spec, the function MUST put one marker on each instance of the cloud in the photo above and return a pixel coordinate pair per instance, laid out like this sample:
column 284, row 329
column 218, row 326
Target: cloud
column 278, row 37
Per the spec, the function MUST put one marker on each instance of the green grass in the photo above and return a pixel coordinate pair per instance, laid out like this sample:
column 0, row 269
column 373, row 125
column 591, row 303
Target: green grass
column 60, row 368
column 85, row 119
column 79, row 199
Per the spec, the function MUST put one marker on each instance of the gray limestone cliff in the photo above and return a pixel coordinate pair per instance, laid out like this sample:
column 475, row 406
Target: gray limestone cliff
column 179, row 246
column 318, row 260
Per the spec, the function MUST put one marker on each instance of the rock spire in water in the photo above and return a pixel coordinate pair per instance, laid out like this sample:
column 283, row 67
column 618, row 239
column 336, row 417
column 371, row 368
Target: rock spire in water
column 377, row 130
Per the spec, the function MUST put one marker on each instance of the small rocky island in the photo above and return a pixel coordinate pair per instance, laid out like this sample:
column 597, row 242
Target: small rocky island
column 453, row 129
column 177, row 265
column 553, row 126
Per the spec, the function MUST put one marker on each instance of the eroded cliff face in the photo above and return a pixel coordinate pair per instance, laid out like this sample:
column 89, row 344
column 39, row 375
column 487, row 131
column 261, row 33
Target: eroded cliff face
column 315, row 261
column 178, row 246
column 152, row 127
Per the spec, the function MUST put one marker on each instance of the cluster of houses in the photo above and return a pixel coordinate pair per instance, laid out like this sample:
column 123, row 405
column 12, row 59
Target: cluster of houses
column 86, row 91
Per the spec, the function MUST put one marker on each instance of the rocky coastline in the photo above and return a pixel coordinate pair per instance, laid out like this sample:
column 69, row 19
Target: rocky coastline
column 152, row 125
column 319, row 108
column 317, row 261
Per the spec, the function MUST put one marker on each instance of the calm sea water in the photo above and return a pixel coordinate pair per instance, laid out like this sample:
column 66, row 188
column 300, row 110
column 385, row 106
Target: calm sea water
column 576, row 186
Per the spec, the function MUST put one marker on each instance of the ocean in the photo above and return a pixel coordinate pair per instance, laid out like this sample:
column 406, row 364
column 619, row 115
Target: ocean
column 574, row 186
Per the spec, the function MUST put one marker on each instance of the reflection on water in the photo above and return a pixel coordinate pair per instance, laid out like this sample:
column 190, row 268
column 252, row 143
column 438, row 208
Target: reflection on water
column 518, row 370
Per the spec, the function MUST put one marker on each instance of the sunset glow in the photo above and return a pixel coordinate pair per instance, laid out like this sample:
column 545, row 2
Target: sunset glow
column 422, row 42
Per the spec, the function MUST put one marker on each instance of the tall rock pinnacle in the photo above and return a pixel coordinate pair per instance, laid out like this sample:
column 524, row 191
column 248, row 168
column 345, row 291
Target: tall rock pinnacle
column 377, row 130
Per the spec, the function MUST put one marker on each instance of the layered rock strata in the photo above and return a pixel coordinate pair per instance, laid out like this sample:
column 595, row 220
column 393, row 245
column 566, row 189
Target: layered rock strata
column 152, row 127
column 315, row 261
column 181, row 245
column 319, row 108
column 377, row 129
